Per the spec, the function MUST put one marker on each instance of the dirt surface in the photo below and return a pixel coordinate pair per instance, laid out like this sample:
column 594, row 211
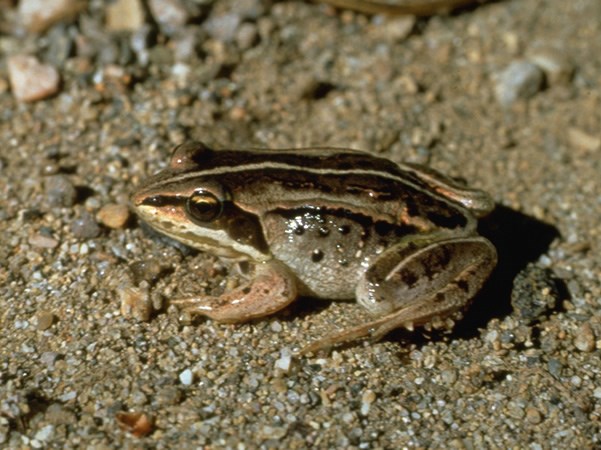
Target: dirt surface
column 506, row 95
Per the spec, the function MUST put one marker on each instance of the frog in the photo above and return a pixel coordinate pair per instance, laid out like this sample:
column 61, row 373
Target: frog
column 331, row 223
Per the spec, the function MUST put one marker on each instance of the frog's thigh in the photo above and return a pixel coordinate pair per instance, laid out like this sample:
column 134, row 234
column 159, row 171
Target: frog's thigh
column 272, row 288
column 413, row 283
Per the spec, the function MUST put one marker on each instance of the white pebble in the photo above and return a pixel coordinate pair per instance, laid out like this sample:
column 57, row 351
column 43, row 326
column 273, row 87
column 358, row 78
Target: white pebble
column 186, row 377
column 283, row 363
column 520, row 80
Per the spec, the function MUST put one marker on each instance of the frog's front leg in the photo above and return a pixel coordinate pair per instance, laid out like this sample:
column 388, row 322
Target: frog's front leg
column 272, row 288
column 416, row 282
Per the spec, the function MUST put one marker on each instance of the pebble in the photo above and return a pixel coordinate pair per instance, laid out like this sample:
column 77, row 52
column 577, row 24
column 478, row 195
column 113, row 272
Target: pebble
column 136, row 303
column 394, row 29
column 223, row 27
column 44, row 320
column 584, row 140
column 136, row 423
column 60, row 46
column 535, row 293
column 171, row 15
column 533, row 416
column 520, row 80
column 585, row 338
column 247, row 35
column 186, row 377
column 147, row 270
column 125, row 15
column 39, row 15
column 31, row 80
column 367, row 398
column 554, row 63
column 59, row 190
column 250, row 9
column 42, row 240
column 49, row 358
column 283, row 363
column 113, row 215
column 85, row 226
column 45, row 433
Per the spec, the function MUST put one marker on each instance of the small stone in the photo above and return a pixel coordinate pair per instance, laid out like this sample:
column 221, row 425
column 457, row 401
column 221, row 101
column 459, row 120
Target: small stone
column 49, row 358
column 246, row 36
column 520, row 80
column 60, row 191
column 394, row 29
column 136, row 423
column 535, row 293
column 186, row 377
column 147, row 270
column 585, row 338
column 124, row 15
column 283, row 363
column 44, row 320
column 136, row 303
column 554, row 63
column 275, row 433
column 42, row 241
column 45, row 433
column 60, row 46
column 583, row 140
column 85, row 226
column 58, row 414
column 367, row 398
column 171, row 15
column 113, row 216
column 223, row 27
column 39, row 15
column 533, row 416
column 31, row 80
column 250, row 9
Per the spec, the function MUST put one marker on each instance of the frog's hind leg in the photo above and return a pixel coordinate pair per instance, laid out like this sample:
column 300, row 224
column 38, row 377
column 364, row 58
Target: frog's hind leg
column 272, row 288
column 418, row 282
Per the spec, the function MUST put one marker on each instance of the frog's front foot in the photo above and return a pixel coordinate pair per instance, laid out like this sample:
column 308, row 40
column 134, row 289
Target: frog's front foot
column 418, row 282
column 271, row 289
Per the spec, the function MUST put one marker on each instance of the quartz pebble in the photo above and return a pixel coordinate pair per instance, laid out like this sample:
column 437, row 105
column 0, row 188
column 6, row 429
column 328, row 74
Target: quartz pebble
column 520, row 80
column 31, row 80
column 185, row 377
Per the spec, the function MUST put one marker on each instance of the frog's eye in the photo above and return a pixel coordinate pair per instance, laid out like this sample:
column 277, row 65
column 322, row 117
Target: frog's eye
column 189, row 155
column 202, row 206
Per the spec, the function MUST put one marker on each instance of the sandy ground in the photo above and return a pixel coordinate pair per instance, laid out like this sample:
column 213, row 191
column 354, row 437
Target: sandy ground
column 522, row 370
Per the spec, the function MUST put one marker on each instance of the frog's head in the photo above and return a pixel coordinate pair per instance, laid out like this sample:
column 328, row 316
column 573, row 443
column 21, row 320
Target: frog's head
column 186, row 202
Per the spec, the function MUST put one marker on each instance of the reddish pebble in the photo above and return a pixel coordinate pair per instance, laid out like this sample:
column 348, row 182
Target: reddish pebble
column 31, row 80
column 113, row 215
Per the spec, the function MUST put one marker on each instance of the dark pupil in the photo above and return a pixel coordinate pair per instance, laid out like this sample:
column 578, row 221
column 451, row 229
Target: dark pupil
column 203, row 207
